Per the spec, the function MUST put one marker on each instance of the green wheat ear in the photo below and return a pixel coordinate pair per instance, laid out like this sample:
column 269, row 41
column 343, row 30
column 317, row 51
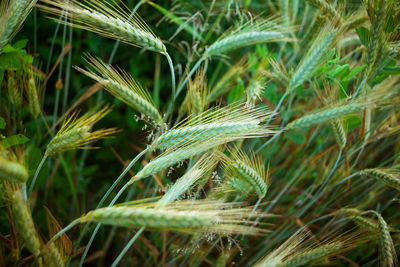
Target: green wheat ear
column 12, row 169
column 12, row 15
column 75, row 133
column 250, row 168
column 194, row 216
column 122, row 86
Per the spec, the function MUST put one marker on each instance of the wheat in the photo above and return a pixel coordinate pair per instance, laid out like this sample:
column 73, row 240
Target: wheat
column 388, row 255
column 249, row 168
column 121, row 85
column 11, row 170
column 328, row 114
column 51, row 255
column 257, row 33
column 314, row 254
column 233, row 121
column 190, row 216
column 228, row 80
column 12, row 16
column 33, row 99
column 339, row 132
column 14, row 91
column 313, row 59
column 100, row 17
column 202, row 167
column 324, row 7
column 356, row 216
column 24, row 221
column 390, row 177
column 75, row 132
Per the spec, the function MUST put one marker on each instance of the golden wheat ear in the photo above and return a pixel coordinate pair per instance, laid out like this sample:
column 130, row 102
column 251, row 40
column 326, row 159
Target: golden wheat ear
column 75, row 133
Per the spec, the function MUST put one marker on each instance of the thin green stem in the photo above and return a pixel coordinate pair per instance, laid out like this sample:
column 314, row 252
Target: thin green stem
column 36, row 174
column 171, row 66
column 127, row 247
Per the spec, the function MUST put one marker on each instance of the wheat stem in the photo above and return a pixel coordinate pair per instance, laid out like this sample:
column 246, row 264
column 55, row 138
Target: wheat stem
column 171, row 66
column 36, row 174
column 127, row 247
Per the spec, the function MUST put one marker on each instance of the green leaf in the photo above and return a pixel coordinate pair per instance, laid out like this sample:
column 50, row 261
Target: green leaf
column 9, row 49
column 14, row 140
column 364, row 35
column 2, row 123
column 10, row 61
column 338, row 70
column 297, row 138
column 20, row 44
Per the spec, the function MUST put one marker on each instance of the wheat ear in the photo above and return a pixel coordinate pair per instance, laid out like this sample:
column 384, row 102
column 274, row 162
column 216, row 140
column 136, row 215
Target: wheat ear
column 187, row 216
column 202, row 167
column 24, row 221
column 12, row 16
column 390, row 177
column 14, row 91
column 326, row 115
column 313, row 59
column 235, row 121
column 122, row 86
column 259, row 32
column 249, row 168
column 51, row 255
column 388, row 255
column 11, row 170
column 101, row 17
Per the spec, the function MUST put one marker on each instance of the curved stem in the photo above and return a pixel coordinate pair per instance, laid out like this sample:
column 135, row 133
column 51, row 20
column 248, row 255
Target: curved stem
column 64, row 230
column 99, row 224
column 171, row 66
column 127, row 247
column 36, row 174
column 179, row 90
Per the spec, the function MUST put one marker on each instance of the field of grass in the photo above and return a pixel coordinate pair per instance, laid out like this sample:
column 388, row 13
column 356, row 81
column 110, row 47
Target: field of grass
column 199, row 133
